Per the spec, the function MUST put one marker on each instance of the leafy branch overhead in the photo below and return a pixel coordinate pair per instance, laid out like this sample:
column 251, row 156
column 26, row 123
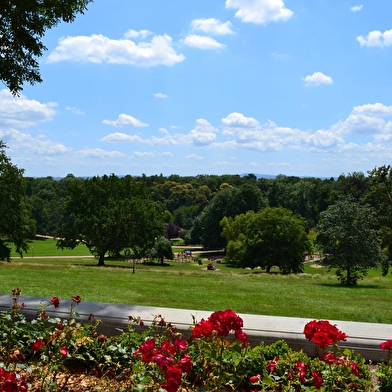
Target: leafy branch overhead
column 22, row 26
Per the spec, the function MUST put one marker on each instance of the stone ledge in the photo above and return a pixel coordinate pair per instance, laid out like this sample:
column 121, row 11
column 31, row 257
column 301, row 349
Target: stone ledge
column 364, row 338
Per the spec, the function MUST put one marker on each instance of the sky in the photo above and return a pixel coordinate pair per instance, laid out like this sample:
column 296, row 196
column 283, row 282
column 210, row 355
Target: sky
column 191, row 87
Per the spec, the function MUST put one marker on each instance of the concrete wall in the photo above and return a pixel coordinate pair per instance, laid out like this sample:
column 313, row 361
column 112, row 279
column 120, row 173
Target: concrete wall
column 364, row 338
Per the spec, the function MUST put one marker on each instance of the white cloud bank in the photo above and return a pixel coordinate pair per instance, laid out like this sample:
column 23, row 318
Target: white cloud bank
column 260, row 11
column 316, row 79
column 376, row 38
column 98, row 49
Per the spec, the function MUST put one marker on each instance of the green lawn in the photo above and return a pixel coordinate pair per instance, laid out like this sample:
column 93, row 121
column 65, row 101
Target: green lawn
column 314, row 294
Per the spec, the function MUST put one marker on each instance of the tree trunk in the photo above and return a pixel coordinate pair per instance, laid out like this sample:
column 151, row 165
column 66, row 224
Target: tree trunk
column 101, row 261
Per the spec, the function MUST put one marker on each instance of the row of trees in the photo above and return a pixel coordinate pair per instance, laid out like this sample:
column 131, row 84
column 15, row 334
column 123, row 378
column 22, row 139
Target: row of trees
column 256, row 220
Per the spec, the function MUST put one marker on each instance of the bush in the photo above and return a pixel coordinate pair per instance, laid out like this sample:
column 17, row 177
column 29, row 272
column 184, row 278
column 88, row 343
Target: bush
column 47, row 353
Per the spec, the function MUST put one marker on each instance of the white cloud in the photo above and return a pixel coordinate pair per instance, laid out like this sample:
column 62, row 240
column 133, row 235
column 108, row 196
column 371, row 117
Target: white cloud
column 137, row 34
column 20, row 112
column 124, row 120
column 212, row 26
column 98, row 48
column 235, row 120
column 148, row 154
column 260, row 11
column 99, row 153
column 316, row 79
column 193, row 156
column 356, row 8
column 160, row 95
column 167, row 154
column 36, row 145
column 74, row 110
column 121, row 137
column 375, row 109
column 202, row 42
column 203, row 134
column 376, row 38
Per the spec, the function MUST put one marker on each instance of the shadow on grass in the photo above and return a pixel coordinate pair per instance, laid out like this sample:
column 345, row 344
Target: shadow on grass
column 351, row 287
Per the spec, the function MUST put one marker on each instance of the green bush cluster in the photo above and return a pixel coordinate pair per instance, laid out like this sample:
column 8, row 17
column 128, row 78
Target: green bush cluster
column 41, row 354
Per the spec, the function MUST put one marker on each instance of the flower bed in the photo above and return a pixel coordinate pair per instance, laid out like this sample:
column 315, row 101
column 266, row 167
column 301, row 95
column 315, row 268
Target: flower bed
column 60, row 354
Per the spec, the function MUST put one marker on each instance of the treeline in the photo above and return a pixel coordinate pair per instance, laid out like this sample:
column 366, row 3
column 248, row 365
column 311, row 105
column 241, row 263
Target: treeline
column 197, row 204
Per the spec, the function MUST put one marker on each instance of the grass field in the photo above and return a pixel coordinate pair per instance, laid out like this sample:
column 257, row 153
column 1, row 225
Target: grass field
column 314, row 294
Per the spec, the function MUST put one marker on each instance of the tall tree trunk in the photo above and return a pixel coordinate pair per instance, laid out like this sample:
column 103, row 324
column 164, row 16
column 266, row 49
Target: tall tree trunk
column 101, row 261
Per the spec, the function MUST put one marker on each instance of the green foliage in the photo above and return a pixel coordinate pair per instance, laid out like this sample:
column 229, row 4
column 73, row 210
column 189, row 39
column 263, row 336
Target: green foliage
column 22, row 26
column 384, row 375
column 43, row 353
column 271, row 237
column 348, row 240
column 161, row 249
column 14, row 222
column 109, row 214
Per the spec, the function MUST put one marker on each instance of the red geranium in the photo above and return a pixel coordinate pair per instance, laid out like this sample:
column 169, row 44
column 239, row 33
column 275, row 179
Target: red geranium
column 386, row 345
column 323, row 333
column 37, row 344
column 317, row 379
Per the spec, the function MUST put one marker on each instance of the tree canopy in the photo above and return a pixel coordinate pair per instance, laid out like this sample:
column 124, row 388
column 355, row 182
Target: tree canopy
column 348, row 240
column 14, row 218
column 109, row 214
column 272, row 237
column 22, row 26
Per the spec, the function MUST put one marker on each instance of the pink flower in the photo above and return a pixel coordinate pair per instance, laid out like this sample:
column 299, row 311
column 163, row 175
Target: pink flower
column 272, row 364
column 64, row 351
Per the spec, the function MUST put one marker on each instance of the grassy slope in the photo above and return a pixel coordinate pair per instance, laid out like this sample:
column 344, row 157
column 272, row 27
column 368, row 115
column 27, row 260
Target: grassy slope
column 315, row 294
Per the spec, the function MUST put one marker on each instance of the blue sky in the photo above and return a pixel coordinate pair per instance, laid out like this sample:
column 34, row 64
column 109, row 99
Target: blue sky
column 295, row 87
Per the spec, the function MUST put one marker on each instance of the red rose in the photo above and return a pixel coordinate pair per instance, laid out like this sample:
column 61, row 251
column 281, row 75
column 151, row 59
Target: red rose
column 255, row 379
column 317, row 379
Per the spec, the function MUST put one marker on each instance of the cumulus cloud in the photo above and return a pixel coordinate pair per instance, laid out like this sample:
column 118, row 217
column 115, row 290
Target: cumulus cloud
column 21, row 112
column 212, row 26
column 260, row 11
column 99, row 153
column 376, row 38
column 124, row 120
column 203, row 134
column 160, row 95
column 98, row 49
column 36, row 145
column 375, row 109
column 121, row 137
column 356, row 8
column 143, row 34
column 202, row 42
column 316, row 79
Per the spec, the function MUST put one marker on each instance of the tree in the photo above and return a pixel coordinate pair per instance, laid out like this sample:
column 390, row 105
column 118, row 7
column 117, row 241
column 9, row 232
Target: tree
column 348, row 239
column 272, row 237
column 161, row 250
column 228, row 202
column 109, row 214
column 14, row 221
column 22, row 26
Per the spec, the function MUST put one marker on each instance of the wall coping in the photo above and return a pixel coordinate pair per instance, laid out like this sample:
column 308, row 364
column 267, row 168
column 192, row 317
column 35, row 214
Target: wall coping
column 364, row 338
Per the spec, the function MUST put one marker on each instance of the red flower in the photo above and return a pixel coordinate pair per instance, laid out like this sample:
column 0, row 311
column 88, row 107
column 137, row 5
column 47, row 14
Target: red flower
column 354, row 369
column 241, row 336
column 386, row 345
column 76, row 299
column 272, row 364
column 55, row 302
column 173, row 379
column 323, row 333
column 37, row 344
column 255, row 379
column 185, row 363
column 203, row 328
column 180, row 344
column 64, row 351
column 317, row 379
column 43, row 315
